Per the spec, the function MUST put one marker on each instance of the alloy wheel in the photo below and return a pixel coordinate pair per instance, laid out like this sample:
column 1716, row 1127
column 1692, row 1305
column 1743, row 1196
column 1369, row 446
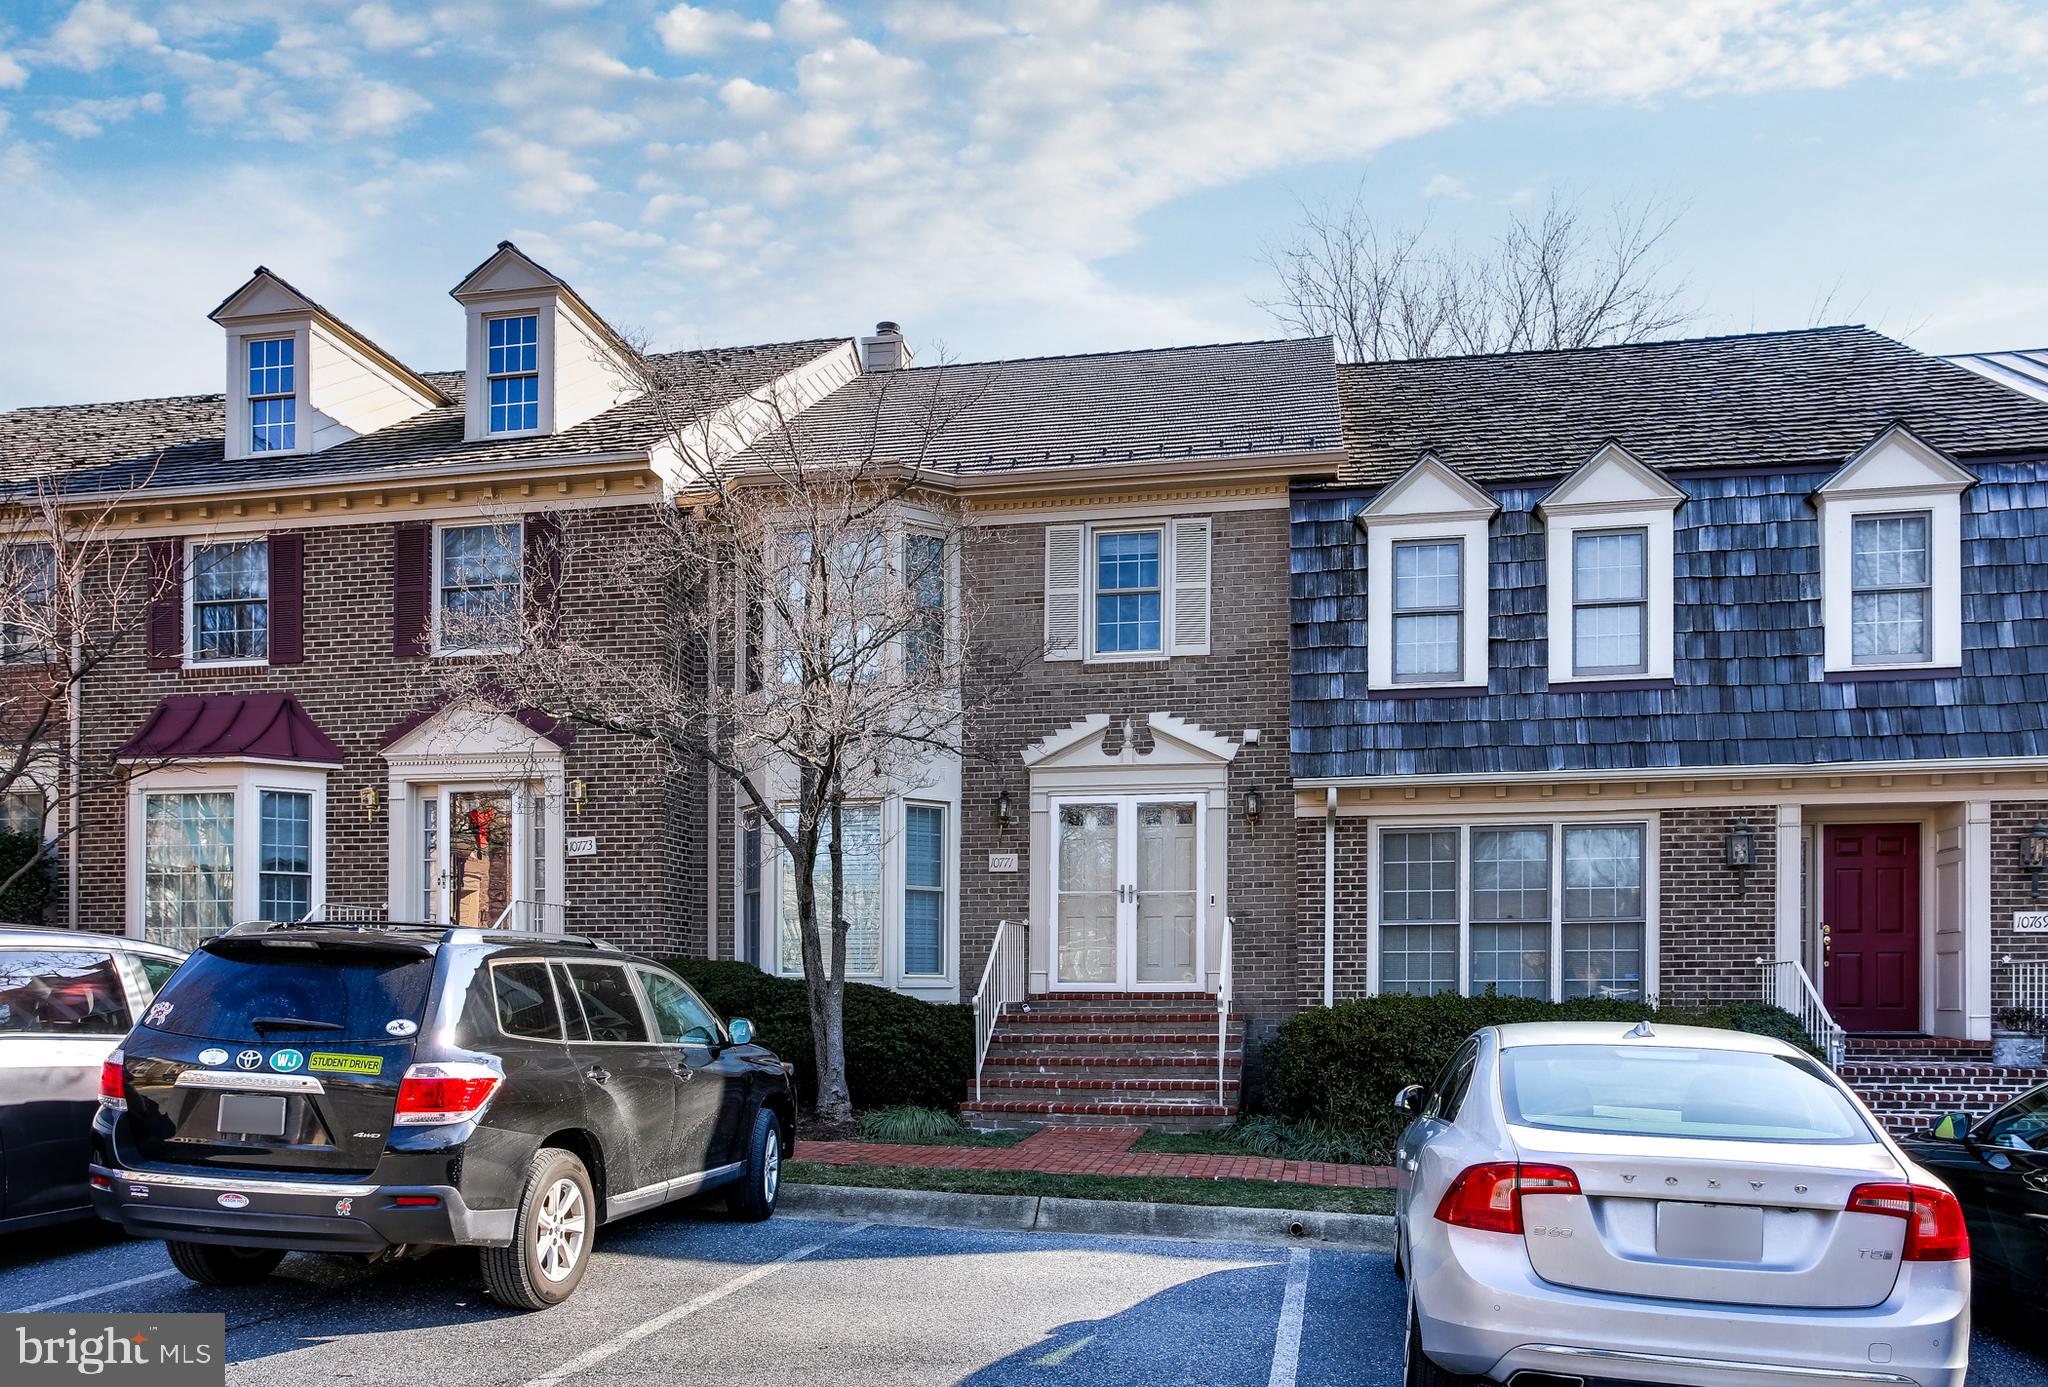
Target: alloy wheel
column 771, row 1165
column 560, row 1230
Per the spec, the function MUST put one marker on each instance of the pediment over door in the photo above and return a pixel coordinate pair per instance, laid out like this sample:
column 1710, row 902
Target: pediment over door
column 1097, row 742
column 455, row 733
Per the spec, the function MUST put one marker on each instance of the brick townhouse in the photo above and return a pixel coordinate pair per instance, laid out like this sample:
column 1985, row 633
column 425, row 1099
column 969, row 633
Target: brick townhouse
column 1695, row 671
column 325, row 533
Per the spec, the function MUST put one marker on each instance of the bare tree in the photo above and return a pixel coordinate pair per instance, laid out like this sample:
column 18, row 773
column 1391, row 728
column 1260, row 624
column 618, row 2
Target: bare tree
column 1559, row 279
column 807, row 576
column 73, row 593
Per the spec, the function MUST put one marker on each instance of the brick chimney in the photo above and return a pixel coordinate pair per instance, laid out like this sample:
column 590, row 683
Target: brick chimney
column 886, row 350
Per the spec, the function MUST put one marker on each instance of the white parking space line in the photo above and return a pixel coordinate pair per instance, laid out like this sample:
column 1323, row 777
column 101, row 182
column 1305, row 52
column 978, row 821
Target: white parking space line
column 97, row 1290
column 1287, row 1339
column 590, row 1358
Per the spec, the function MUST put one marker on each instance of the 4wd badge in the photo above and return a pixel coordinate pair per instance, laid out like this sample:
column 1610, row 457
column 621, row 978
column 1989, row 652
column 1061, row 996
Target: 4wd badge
column 287, row 1061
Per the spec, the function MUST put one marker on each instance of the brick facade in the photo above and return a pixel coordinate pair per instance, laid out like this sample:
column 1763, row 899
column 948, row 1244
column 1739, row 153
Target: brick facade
column 1713, row 927
column 1351, row 922
column 1242, row 683
column 2012, row 891
column 645, row 886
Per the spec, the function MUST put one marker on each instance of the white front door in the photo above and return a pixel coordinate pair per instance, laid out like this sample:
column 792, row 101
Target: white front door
column 1126, row 894
column 481, row 851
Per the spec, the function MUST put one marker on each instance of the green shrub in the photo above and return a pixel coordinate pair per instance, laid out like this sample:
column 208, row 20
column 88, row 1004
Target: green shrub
column 25, row 902
column 904, row 1123
column 1341, row 1066
column 1301, row 1139
column 899, row 1051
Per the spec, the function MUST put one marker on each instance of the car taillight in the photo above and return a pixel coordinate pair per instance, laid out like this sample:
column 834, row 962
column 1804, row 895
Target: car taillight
column 1935, row 1231
column 1489, row 1197
column 435, row 1095
column 113, row 1092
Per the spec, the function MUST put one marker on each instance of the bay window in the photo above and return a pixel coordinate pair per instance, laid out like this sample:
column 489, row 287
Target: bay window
column 924, row 889
column 898, row 901
column 860, row 886
column 210, row 847
column 1550, row 910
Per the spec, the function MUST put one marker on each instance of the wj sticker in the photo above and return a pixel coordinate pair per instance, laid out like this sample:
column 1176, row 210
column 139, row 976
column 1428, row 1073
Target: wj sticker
column 287, row 1061
column 328, row 1062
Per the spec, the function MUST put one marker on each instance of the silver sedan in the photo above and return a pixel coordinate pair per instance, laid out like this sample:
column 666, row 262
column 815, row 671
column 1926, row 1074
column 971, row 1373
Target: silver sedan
column 1589, row 1203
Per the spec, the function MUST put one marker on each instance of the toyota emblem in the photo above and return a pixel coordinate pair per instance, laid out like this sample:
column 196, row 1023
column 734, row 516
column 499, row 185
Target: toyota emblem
column 249, row 1059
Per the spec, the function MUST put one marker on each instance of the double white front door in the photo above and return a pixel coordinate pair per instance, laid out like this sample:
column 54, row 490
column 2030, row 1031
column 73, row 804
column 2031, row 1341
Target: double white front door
column 1127, row 893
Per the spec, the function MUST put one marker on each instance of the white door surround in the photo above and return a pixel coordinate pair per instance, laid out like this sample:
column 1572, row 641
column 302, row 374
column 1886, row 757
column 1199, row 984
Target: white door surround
column 1185, row 765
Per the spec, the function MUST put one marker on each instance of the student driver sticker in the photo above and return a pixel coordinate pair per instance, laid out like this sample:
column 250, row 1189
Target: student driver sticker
column 287, row 1061
column 327, row 1062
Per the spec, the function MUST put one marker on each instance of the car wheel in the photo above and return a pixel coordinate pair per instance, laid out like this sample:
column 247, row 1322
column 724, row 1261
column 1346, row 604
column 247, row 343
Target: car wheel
column 551, row 1239
column 212, row 1265
column 1418, row 1370
column 753, row 1195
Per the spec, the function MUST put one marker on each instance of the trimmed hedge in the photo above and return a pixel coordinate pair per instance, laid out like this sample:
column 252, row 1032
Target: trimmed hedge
column 899, row 1050
column 1342, row 1065
column 26, row 902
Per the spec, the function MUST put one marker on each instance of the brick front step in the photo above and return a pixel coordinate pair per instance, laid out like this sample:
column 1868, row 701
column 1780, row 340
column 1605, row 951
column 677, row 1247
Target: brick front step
column 1908, row 1093
column 1937, row 1072
column 1106, row 1083
column 1916, row 1047
column 1009, row 1059
column 1121, row 1037
column 1075, row 1110
column 1090, row 999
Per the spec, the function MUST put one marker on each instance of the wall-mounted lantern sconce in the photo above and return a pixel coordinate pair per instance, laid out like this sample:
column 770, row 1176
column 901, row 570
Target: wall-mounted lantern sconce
column 2034, row 854
column 1253, row 804
column 577, row 794
column 1003, row 812
column 1741, row 854
column 370, row 798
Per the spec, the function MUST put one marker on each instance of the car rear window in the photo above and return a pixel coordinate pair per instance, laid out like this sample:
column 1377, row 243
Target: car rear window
column 61, row 992
column 349, row 994
column 1666, row 1091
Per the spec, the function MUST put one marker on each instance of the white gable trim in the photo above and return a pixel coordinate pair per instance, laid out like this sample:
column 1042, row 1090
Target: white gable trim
column 1072, row 735
column 464, row 738
column 1430, row 489
column 1612, row 480
column 1898, row 462
column 1176, row 744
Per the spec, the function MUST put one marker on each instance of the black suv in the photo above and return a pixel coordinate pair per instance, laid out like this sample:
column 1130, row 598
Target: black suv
column 387, row 1089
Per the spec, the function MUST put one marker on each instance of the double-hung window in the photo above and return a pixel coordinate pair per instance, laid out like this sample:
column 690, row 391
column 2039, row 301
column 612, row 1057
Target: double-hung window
column 480, row 587
column 21, row 811
column 28, row 625
column 285, row 850
column 924, row 889
column 230, row 601
column 1891, row 589
column 512, row 371
column 924, row 576
column 1530, row 910
column 1610, row 602
column 273, row 395
column 1429, row 610
column 188, row 867
column 1127, row 592
column 861, row 887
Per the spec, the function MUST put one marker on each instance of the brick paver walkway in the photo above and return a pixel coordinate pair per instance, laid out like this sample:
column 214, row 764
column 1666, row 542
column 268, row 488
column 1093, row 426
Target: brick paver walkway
column 1095, row 1151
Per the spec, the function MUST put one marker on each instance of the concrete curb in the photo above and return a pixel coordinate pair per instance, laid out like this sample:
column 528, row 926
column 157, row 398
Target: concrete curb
column 1198, row 1222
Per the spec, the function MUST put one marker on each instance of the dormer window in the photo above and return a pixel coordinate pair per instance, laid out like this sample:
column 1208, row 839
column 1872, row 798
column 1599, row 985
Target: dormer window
column 1610, row 551
column 513, row 370
column 273, row 395
column 1890, row 589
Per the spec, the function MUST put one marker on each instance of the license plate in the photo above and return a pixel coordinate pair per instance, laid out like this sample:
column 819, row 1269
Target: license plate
column 1710, row 1232
column 252, row 1114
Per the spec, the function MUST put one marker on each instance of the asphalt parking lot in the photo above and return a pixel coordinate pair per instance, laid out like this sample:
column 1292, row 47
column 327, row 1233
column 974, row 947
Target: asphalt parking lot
column 684, row 1297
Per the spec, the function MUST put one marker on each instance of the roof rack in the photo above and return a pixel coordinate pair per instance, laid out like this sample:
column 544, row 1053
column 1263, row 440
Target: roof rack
column 446, row 934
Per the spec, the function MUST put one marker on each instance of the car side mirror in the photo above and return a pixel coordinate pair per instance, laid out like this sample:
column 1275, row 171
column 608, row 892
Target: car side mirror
column 741, row 1030
column 1953, row 1126
column 1409, row 1101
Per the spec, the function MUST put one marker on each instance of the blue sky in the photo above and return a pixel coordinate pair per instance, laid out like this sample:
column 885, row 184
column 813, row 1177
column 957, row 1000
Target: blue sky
column 1004, row 178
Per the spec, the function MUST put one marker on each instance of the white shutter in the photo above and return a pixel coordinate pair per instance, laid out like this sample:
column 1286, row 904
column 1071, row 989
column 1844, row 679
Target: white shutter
column 1190, row 587
column 1063, row 592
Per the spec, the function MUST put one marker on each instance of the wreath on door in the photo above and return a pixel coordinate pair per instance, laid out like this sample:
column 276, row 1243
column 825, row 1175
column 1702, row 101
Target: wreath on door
column 483, row 822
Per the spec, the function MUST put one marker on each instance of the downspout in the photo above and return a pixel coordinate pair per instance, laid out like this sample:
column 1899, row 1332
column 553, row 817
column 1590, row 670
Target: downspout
column 74, row 706
column 1330, row 896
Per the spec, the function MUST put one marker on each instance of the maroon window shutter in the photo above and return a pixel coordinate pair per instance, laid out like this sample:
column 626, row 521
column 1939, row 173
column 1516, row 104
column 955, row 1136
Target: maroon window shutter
column 287, row 599
column 543, row 560
column 165, row 620
column 412, row 566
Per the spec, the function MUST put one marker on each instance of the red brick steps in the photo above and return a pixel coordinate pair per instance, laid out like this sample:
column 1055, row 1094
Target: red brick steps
column 1909, row 1081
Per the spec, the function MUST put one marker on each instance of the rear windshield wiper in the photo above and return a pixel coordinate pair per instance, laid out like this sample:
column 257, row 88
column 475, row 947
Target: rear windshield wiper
column 291, row 1023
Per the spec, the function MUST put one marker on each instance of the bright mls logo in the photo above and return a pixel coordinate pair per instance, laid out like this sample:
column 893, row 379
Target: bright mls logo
column 287, row 1061
column 249, row 1059
column 157, row 1350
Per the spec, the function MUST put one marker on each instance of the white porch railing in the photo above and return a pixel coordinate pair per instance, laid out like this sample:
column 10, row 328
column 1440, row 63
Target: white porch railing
column 1002, row 985
column 1786, row 984
column 2026, row 984
column 346, row 914
column 537, row 917
column 1223, row 1013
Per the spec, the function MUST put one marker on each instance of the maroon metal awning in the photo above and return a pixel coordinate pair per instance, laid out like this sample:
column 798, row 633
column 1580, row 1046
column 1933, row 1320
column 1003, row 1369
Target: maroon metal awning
column 259, row 726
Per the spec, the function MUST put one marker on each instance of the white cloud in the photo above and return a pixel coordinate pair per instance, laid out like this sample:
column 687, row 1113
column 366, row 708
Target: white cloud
column 1449, row 186
column 549, row 182
column 612, row 237
column 12, row 73
column 693, row 32
column 663, row 206
column 369, row 107
column 587, row 125
column 382, row 29
column 749, row 100
column 807, row 21
column 93, row 33
column 85, row 118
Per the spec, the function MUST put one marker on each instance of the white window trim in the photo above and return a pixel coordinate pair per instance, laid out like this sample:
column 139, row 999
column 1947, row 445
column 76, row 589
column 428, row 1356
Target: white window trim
column 245, row 780
column 191, row 651
column 439, row 648
column 540, row 375
column 1380, row 538
column 1652, row 922
column 1563, row 525
column 477, row 404
column 1944, row 511
column 892, row 975
column 237, row 422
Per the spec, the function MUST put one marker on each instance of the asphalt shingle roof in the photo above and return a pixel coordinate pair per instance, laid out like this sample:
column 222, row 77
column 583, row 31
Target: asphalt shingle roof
column 1236, row 399
column 177, row 442
column 1771, row 399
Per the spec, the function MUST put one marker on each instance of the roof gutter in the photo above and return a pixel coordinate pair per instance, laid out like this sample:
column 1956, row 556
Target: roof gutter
column 1956, row 765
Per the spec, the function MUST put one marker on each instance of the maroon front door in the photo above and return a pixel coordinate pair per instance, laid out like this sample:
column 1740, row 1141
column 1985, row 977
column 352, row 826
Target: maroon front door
column 1870, row 903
